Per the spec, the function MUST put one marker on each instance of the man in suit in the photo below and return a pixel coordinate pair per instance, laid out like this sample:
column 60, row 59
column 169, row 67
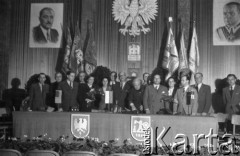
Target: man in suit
column 14, row 96
column 231, row 96
column 39, row 94
column 135, row 97
column 122, row 93
column 54, row 87
column 69, row 90
column 115, row 85
column 231, row 31
column 204, row 95
column 153, row 94
column 44, row 33
column 172, row 89
column 186, row 98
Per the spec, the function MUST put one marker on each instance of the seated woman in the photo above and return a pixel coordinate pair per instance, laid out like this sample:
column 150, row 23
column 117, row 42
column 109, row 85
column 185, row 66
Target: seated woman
column 104, row 87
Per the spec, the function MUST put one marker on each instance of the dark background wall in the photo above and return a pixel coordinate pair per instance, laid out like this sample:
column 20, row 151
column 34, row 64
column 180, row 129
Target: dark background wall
column 18, row 60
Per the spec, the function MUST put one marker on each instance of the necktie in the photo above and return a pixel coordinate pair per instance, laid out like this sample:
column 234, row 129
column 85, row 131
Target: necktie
column 197, row 88
column 231, row 91
column 41, row 87
column 156, row 87
column 48, row 36
column 71, row 84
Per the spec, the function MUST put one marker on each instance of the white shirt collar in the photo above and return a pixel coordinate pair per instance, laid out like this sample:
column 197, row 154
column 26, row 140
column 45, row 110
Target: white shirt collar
column 232, row 87
column 45, row 32
column 185, row 88
column 234, row 28
column 199, row 85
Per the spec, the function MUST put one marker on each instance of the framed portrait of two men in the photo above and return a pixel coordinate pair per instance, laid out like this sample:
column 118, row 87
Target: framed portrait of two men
column 226, row 22
column 46, row 22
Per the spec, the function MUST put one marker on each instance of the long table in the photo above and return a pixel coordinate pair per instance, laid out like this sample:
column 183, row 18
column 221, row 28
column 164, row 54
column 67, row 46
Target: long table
column 106, row 126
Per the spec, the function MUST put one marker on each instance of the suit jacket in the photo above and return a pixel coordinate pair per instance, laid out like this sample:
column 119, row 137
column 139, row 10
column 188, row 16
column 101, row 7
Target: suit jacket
column 122, row 95
column 54, row 87
column 69, row 95
column 83, row 95
column 172, row 96
column 115, row 88
column 136, row 97
column 14, row 97
column 231, row 102
column 152, row 98
column 204, row 98
column 180, row 101
column 39, row 37
column 225, row 35
column 39, row 99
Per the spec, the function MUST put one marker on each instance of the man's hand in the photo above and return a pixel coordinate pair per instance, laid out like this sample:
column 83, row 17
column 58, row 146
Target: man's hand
column 147, row 111
column 60, row 110
column 204, row 114
column 133, row 107
column 88, row 100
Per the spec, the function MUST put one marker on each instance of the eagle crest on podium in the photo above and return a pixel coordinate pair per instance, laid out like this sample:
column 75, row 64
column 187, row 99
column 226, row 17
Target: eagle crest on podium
column 80, row 125
column 134, row 14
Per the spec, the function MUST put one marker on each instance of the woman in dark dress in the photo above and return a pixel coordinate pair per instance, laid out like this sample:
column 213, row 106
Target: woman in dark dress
column 86, row 95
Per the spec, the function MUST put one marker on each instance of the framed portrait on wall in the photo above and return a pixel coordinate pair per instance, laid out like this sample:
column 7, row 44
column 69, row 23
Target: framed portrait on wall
column 46, row 22
column 226, row 22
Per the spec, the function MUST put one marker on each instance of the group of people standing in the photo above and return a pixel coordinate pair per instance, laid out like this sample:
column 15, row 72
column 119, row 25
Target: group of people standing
column 132, row 95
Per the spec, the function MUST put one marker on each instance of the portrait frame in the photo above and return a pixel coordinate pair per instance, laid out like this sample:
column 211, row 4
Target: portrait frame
column 37, row 39
column 221, row 34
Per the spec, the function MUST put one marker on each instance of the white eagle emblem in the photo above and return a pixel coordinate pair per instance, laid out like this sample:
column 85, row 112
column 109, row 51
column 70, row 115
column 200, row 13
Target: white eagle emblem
column 134, row 14
column 80, row 125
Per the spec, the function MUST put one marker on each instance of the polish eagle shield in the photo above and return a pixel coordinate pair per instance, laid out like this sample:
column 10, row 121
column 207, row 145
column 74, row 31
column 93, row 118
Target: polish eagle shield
column 80, row 125
column 138, row 125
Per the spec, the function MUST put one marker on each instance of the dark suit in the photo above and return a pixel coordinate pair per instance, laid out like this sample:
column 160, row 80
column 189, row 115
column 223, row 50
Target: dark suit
column 232, row 103
column 172, row 96
column 54, row 87
column 39, row 37
column 14, row 97
column 152, row 98
column 204, row 98
column 122, row 95
column 115, row 88
column 180, row 101
column 39, row 99
column 69, row 95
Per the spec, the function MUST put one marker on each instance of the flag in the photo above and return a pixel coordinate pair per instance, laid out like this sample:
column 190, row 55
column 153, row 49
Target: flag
column 170, row 58
column 90, row 52
column 66, row 61
column 76, row 57
column 183, row 63
column 193, row 55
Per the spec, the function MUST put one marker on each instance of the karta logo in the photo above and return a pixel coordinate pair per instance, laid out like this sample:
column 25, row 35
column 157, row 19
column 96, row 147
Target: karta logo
column 138, row 125
column 80, row 125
